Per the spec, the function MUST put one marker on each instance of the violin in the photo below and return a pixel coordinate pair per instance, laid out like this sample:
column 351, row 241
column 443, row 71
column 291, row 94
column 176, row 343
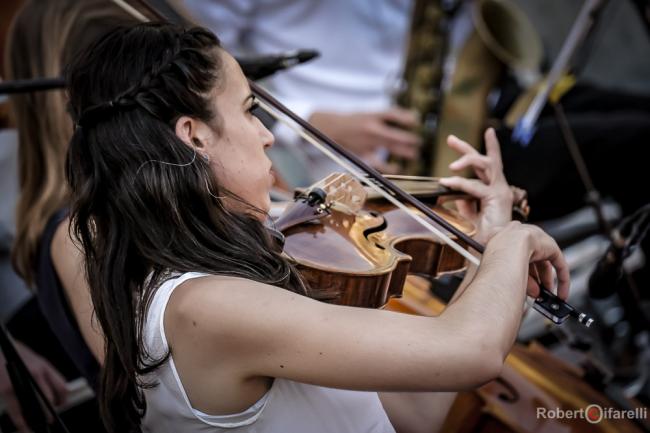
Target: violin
column 366, row 248
column 548, row 304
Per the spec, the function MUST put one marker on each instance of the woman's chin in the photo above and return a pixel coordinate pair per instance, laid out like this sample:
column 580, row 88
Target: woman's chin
column 265, row 207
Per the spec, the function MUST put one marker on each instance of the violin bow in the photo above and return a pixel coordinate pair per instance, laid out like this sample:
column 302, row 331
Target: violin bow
column 548, row 304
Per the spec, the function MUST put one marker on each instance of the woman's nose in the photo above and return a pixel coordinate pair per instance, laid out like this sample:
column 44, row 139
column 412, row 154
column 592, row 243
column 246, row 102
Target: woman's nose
column 267, row 136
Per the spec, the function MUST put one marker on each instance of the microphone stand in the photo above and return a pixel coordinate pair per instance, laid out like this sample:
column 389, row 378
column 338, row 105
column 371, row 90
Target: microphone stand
column 621, row 243
column 581, row 29
column 33, row 403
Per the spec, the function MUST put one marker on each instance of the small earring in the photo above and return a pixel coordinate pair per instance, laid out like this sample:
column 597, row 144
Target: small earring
column 205, row 157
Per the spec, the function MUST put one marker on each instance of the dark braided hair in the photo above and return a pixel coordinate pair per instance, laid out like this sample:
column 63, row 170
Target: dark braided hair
column 143, row 205
column 136, row 93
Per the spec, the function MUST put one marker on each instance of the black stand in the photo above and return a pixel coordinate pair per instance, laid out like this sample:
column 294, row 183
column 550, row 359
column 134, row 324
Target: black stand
column 33, row 403
column 580, row 34
column 625, row 237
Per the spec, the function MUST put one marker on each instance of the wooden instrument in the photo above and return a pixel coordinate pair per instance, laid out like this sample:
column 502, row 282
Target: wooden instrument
column 357, row 252
column 533, row 382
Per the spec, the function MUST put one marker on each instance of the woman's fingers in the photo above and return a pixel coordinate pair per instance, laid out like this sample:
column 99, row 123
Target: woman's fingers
column 563, row 276
column 492, row 146
column 460, row 146
column 546, row 276
column 563, row 281
column 473, row 187
column 546, row 249
column 545, row 257
column 467, row 208
column 532, row 289
column 542, row 274
column 479, row 163
column 487, row 166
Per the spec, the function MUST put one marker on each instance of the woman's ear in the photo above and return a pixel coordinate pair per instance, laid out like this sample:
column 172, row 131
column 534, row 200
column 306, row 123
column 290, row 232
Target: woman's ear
column 185, row 129
column 191, row 131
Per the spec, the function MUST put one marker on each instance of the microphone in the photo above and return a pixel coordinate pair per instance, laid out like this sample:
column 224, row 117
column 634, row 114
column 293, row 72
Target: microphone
column 254, row 67
column 257, row 67
column 627, row 237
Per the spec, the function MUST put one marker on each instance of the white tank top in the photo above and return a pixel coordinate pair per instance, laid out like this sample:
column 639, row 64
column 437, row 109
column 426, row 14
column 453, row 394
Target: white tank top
column 287, row 407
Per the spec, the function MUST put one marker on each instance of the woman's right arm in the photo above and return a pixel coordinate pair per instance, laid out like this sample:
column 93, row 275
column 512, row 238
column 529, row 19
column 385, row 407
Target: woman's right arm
column 254, row 330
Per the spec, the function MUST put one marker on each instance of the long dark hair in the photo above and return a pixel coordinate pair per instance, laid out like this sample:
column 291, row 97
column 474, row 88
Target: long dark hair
column 143, row 203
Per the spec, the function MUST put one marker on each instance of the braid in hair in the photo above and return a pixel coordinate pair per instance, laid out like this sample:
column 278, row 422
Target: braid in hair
column 135, row 94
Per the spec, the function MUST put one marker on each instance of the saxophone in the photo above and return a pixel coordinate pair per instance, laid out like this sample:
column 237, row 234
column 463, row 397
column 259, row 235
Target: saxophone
column 502, row 37
column 422, row 76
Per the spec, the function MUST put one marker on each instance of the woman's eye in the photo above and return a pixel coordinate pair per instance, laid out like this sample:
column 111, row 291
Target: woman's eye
column 254, row 108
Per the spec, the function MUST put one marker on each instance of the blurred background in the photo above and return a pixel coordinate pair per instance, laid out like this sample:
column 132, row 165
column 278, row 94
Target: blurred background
column 389, row 80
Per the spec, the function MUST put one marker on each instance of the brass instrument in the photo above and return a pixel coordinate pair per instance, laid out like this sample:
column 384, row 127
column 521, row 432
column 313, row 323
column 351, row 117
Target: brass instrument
column 503, row 37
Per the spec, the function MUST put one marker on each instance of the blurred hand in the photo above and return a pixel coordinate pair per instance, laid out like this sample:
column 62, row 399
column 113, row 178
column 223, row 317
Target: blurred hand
column 46, row 376
column 543, row 252
column 493, row 209
column 364, row 133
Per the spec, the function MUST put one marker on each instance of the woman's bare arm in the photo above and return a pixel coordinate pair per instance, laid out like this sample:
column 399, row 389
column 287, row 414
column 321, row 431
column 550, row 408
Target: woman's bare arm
column 417, row 412
column 253, row 330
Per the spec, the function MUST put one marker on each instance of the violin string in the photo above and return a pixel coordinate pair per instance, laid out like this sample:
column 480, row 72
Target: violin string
column 355, row 172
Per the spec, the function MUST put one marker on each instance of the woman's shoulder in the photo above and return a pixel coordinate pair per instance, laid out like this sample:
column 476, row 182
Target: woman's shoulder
column 195, row 291
column 228, row 308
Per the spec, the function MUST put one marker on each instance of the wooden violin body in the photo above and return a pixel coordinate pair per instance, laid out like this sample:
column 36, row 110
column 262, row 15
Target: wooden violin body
column 361, row 257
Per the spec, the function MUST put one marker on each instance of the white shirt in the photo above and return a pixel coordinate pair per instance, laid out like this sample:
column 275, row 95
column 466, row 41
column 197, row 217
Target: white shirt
column 288, row 407
column 362, row 45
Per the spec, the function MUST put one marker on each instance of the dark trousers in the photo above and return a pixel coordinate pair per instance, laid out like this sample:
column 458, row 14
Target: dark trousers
column 613, row 132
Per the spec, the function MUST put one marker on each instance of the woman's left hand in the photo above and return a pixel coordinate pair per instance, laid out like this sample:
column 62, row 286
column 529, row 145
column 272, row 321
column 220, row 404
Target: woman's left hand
column 490, row 191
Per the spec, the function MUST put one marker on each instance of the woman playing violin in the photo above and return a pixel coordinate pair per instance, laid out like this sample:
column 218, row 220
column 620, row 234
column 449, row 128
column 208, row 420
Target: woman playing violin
column 207, row 327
